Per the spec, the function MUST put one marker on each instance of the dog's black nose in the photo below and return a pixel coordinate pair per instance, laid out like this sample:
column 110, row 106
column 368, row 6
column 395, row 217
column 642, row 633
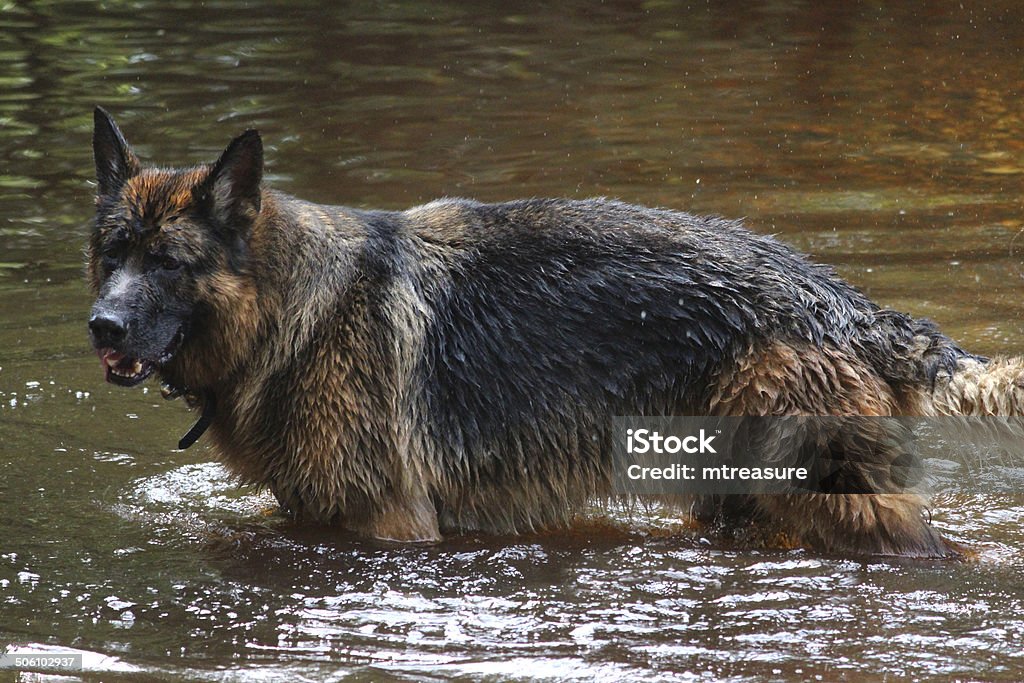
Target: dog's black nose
column 107, row 328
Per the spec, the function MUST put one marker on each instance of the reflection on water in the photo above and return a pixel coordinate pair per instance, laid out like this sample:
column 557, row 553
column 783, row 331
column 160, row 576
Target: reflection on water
column 885, row 139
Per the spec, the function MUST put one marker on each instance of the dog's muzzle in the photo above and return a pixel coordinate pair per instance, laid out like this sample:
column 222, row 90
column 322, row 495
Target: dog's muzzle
column 109, row 332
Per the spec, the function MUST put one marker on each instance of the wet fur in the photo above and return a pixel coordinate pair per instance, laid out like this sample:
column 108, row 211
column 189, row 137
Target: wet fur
column 454, row 367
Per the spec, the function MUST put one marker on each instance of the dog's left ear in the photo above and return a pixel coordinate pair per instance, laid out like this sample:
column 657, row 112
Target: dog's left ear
column 231, row 193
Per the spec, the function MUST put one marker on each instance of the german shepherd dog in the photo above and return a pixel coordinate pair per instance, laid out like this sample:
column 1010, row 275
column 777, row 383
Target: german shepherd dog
column 454, row 367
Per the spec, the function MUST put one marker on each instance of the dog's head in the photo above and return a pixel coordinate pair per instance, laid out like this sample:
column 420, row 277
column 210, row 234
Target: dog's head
column 167, row 255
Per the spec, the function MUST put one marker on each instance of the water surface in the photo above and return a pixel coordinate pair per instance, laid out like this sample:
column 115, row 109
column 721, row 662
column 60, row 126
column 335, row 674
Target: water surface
column 886, row 140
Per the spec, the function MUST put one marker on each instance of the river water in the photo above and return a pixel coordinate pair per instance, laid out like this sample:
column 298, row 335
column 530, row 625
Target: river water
column 884, row 138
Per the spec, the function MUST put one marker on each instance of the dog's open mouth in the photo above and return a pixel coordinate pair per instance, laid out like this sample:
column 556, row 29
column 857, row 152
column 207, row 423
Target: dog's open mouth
column 127, row 371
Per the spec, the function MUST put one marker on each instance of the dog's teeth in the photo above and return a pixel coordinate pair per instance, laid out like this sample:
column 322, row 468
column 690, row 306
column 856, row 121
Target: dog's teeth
column 117, row 363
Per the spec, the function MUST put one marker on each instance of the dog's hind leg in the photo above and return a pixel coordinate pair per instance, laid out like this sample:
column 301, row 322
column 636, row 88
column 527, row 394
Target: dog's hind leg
column 880, row 517
column 870, row 524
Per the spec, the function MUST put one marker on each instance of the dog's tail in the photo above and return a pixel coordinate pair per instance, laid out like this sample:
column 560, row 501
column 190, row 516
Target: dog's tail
column 980, row 388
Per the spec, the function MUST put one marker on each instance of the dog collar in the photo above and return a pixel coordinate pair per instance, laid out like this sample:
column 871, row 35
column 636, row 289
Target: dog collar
column 201, row 425
column 171, row 392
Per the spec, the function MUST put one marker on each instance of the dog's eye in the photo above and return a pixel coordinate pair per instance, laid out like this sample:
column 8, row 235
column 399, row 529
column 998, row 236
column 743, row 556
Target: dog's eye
column 110, row 258
column 160, row 260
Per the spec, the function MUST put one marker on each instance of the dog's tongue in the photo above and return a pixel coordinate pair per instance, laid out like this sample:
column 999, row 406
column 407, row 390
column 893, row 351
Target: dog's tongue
column 119, row 363
column 109, row 357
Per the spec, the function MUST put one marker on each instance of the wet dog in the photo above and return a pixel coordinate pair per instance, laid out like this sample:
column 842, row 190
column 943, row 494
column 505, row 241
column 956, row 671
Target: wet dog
column 455, row 366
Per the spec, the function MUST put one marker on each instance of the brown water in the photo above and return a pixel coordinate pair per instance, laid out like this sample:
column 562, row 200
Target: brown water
column 887, row 140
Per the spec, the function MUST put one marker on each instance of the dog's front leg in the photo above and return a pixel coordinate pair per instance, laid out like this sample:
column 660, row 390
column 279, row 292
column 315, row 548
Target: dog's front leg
column 410, row 518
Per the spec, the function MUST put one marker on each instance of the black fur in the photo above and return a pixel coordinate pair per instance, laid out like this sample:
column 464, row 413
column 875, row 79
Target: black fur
column 560, row 303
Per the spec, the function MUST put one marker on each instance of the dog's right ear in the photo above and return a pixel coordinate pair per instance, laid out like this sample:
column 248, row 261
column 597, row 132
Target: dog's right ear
column 231, row 193
column 115, row 160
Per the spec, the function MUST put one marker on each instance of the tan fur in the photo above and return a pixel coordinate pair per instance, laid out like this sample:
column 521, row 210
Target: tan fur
column 156, row 196
column 980, row 389
column 788, row 380
column 318, row 463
